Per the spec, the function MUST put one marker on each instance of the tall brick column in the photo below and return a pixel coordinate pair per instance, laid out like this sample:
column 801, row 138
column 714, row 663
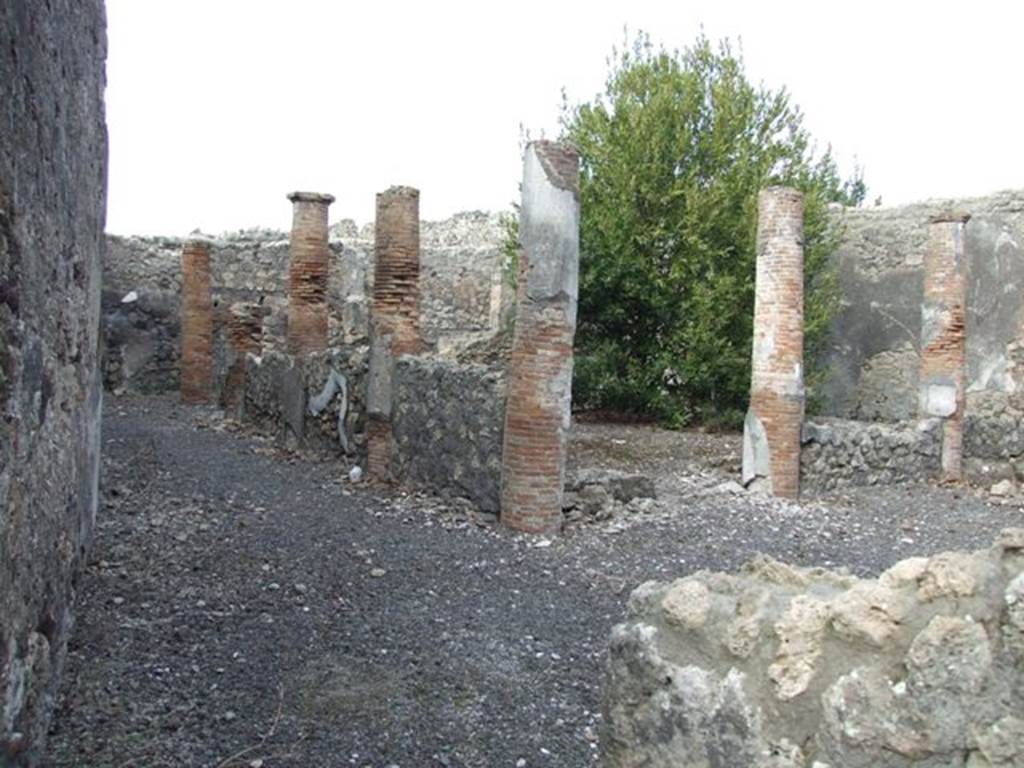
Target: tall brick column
column 540, row 378
column 943, row 335
column 771, row 431
column 245, row 332
column 307, row 273
column 196, row 323
column 394, row 314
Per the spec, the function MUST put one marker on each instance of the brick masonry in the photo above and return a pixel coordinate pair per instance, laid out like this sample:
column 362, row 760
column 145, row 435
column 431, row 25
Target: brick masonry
column 308, row 273
column 942, row 388
column 771, row 434
column 394, row 314
column 245, row 333
column 396, row 294
column 196, row 323
column 540, row 380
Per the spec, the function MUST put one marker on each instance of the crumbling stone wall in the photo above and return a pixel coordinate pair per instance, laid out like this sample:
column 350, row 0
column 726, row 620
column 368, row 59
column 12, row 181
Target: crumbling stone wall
column 463, row 297
column 467, row 289
column 245, row 333
column 807, row 668
column 837, row 453
column 874, row 357
column 447, row 426
column 53, row 158
column 280, row 389
column 142, row 301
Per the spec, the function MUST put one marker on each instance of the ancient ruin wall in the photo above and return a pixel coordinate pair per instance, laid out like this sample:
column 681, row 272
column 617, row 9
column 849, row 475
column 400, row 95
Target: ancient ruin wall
column 245, row 334
column 807, row 668
column 464, row 297
column 874, row 359
column 142, row 302
column 839, row 453
column 447, row 426
column 53, row 151
column 282, row 392
column 874, row 354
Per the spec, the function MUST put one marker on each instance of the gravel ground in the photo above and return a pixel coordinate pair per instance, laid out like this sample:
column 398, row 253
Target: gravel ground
column 243, row 607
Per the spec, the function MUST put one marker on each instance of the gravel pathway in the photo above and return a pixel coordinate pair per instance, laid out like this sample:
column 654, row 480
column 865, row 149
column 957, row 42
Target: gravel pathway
column 248, row 608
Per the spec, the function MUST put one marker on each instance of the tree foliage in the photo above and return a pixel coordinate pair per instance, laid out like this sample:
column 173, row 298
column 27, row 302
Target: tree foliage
column 673, row 154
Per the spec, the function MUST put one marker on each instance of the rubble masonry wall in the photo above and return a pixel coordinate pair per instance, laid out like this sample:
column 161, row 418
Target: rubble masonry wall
column 53, row 161
column 464, row 294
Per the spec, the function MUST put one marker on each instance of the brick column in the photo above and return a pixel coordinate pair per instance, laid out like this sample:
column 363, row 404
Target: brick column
column 540, row 379
column 394, row 314
column 307, row 273
column 943, row 335
column 196, row 323
column 771, row 431
column 245, row 332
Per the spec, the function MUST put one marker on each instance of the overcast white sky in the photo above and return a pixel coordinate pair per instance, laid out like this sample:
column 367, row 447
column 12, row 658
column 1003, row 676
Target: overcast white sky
column 218, row 108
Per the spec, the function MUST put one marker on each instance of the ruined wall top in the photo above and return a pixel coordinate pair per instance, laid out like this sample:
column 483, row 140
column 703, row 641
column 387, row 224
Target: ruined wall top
column 399, row 191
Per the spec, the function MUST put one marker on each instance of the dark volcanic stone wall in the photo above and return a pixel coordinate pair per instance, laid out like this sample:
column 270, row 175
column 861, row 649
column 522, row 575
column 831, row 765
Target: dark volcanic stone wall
column 447, row 424
column 53, row 150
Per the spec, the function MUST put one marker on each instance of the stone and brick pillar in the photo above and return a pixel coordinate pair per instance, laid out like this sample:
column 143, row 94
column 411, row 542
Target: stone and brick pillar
column 307, row 273
column 394, row 314
column 540, row 379
column 943, row 335
column 245, row 333
column 771, row 431
column 196, row 323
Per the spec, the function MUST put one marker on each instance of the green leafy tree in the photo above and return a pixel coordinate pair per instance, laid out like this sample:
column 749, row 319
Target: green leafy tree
column 673, row 154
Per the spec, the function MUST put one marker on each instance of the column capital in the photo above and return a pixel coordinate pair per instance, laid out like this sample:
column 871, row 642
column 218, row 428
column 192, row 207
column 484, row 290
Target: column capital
column 311, row 197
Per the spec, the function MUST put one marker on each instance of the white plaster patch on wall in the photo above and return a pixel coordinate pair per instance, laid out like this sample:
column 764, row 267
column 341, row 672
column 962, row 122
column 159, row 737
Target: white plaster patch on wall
column 939, row 400
column 756, row 453
column 550, row 207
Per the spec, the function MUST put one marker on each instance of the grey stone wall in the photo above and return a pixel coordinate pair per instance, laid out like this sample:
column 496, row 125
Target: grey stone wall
column 53, row 159
column 142, row 335
column 994, row 439
column 785, row 667
column 463, row 294
column 467, row 290
column 874, row 355
column 447, row 423
column 839, row 452
column 278, row 392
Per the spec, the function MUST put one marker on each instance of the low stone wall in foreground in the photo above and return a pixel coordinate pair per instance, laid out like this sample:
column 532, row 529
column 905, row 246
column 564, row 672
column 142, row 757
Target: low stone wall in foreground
column 808, row 668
